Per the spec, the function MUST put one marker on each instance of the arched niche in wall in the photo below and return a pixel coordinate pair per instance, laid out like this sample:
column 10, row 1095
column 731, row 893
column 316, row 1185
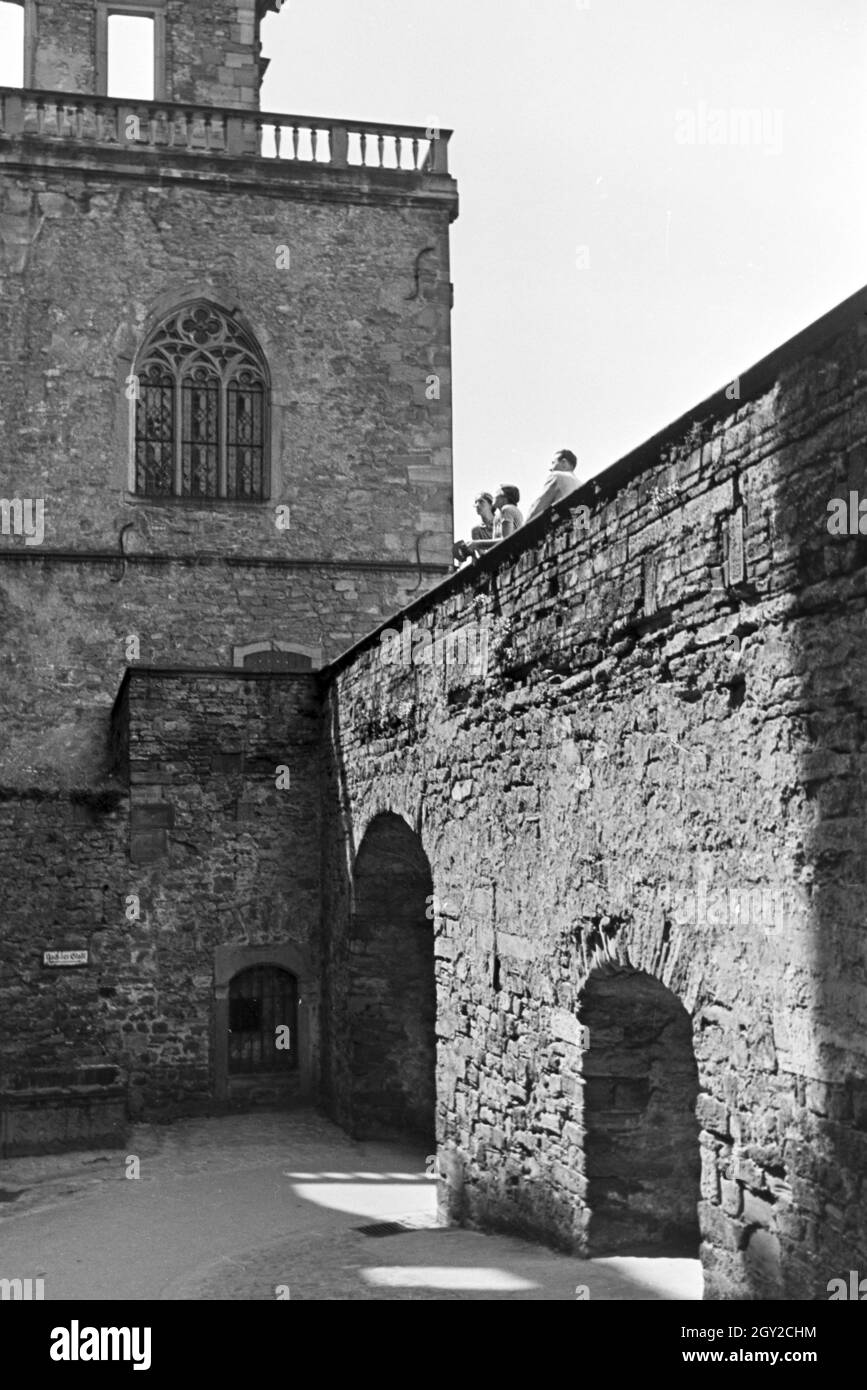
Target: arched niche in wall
column 277, row 656
column 391, row 987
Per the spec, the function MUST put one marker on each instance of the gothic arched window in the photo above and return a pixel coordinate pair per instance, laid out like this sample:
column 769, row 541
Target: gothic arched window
column 201, row 423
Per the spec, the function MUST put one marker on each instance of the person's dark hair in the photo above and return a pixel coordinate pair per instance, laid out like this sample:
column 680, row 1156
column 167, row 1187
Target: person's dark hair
column 484, row 497
column 569, row 457
column 511, row 494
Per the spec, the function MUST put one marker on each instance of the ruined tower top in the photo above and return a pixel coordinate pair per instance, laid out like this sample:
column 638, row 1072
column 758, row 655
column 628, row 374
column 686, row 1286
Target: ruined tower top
column 206, row 52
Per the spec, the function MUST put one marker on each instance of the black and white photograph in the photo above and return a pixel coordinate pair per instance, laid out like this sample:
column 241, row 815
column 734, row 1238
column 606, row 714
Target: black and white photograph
column 433, row 671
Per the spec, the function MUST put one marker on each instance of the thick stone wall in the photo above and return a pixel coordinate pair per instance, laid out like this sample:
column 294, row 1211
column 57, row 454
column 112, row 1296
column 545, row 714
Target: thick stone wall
column 66, row 627
column 195, row 851
column 361, row 457
column 342, row 276
column 213, row 52
column 360, row 454
column 219, row 857
column 655, row 769
column 62, row 858
column 51, row 901
column 63, row 45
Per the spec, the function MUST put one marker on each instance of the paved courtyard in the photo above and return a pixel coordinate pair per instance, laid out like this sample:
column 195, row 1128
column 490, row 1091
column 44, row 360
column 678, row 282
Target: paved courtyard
column 267, row 1206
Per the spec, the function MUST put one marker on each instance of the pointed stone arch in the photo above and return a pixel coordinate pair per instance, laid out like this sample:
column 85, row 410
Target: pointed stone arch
column 642, row 1164
column 391, row 994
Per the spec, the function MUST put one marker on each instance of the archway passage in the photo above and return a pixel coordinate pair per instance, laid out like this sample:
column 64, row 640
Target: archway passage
column 392, row 987
column 642, row 1161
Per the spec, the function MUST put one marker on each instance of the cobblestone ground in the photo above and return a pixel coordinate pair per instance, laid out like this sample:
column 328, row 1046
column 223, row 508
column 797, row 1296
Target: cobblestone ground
column 267, row 1206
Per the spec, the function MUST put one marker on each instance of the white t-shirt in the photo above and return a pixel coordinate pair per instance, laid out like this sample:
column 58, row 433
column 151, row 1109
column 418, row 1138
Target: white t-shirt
column 507, row 520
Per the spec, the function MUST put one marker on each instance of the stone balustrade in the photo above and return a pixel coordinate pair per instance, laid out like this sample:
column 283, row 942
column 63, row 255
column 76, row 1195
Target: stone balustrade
column 221, row 132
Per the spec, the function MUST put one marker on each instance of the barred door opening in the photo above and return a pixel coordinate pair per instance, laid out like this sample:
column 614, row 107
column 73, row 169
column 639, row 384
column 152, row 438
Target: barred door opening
column 263, row 1021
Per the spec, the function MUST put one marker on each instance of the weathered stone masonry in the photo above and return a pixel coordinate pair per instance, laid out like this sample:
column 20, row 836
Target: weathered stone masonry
column 327, row 243
column 210, row 51
column 582, row 903
column 196, row 830
column 219, row 856
column 659, row 708
column 339, row 270
column 660, row 715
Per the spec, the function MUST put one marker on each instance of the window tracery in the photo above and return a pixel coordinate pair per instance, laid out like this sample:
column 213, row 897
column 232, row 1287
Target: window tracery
column 202, row 407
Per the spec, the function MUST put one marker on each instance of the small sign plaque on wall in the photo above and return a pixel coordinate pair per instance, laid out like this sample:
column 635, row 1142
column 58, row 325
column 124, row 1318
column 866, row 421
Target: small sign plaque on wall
column 65, row 958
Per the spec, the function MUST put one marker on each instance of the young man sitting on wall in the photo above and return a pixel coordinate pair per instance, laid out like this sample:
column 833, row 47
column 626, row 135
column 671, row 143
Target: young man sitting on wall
column 561, row 483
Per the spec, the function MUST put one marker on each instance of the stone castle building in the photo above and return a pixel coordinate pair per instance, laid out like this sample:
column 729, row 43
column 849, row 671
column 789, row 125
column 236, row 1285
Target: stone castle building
column 567, row 878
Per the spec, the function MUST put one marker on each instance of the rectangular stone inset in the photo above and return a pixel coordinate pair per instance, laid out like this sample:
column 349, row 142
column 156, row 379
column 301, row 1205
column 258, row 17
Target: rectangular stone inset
column 431, row 473
column 651, row 575
column 737, row 565
column 146, row 846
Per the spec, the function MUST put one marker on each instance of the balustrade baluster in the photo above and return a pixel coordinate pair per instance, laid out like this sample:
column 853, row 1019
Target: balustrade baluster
column 225, row 132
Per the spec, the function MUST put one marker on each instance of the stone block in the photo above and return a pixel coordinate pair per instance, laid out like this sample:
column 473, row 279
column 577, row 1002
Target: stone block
column 712, row 1115
column 757, row 1209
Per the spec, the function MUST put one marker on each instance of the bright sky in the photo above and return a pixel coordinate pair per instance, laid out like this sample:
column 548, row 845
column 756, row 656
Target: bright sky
column 614, row 261
column 702, row 257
